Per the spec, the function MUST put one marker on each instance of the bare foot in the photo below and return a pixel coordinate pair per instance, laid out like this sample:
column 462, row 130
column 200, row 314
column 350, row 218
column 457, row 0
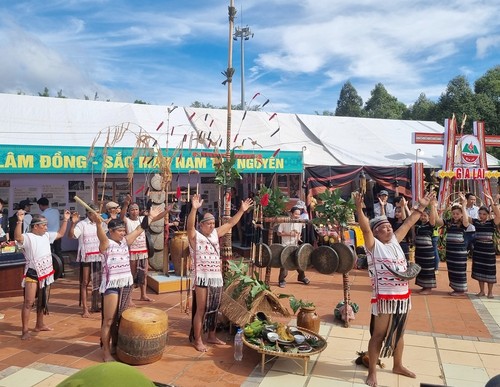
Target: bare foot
column 85, row 314
column 456, row 294
column 216, row 341
column 371, row 380
column 43, row 329
column 146, row 298
column 403, row 371
column 26, row 336
column 200, row 346
column 131, row 305
column 425, row 291
column 480, row 294
column 107, row 357
column 491, row 296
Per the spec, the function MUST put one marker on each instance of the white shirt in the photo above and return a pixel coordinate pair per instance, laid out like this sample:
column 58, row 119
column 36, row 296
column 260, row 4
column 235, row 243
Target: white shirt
column 286, row 228
column 473, row 213
column 389, row 210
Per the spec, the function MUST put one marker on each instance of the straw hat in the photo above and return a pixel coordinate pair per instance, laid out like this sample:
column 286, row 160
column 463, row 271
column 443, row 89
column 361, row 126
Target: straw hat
column 325, row 259
column 346, row 257
column 288, row 258
column 276, row 249
column 265, row 256
column 303, row 255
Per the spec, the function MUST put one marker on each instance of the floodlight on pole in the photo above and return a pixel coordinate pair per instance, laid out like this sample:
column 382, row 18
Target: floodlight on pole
column 244, row 33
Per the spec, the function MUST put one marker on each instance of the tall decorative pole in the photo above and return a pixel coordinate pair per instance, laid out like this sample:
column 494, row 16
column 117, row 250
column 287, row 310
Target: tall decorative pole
column 226, row 250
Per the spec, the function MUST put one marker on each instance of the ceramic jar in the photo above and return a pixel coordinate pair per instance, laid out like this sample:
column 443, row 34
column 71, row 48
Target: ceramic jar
column 308, row 318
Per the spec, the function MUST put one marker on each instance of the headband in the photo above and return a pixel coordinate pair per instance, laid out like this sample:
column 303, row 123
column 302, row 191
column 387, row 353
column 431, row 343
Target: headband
column 116, row 225
column 377, row 221
column 38, row 222
column 207, row 218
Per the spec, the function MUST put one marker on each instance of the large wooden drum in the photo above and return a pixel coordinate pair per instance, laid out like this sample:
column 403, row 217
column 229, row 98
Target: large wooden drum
column 179, row 248
column 142, row 335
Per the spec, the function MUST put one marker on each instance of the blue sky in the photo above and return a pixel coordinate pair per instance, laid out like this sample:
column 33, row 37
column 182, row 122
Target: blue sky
column 302, row 52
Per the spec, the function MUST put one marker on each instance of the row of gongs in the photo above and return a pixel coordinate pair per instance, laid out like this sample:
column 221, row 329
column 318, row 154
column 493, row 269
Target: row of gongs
column 337, row 258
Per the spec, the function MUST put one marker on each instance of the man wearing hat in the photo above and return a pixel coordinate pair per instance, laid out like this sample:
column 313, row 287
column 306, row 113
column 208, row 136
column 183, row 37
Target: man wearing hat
column 290, row 234
column 383, row 207
column 112, row 211
column 38, row 271
column 89, row 257
column 390, row 294
column 207, row 270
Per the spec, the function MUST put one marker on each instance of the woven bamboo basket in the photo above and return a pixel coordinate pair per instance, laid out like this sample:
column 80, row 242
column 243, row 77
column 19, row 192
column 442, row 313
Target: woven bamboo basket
column 237, row 311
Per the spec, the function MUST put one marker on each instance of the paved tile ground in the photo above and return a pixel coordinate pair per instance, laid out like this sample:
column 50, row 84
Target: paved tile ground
column 450, row 341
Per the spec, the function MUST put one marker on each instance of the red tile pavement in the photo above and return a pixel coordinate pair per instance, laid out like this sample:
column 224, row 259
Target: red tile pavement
column 74, row 341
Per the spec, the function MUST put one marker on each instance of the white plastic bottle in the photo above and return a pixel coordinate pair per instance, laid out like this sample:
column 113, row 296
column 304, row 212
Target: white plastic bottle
column 238, row 345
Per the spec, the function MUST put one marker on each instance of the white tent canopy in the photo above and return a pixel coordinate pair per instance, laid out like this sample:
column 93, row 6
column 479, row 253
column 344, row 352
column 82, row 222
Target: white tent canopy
column 324, row 140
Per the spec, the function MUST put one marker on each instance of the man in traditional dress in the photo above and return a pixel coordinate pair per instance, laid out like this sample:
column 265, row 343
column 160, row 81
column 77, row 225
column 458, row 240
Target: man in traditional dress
column 117, row 280
column 390, row 294
column 207, row 270
column 38, row 271
column 89, row 257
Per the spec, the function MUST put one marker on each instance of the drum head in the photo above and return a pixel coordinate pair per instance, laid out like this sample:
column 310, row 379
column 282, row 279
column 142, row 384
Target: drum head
column 288, row 258
column 262, row 255
column 157, row 197
column 276, row 249
column 157, row 227
column 57, row 265
column 156, row 182
column 325, row 259
column 346, row 257
column 304, row 256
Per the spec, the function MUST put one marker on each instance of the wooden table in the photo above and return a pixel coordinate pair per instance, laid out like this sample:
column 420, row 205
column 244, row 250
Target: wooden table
column 11, row 274
column 304, row 356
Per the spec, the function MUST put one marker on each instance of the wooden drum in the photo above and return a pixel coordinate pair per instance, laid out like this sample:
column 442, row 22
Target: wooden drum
column 179, row 248
column 142, row 335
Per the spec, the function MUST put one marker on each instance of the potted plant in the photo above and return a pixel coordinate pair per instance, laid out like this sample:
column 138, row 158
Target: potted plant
column 307, row 317
column 337, row 212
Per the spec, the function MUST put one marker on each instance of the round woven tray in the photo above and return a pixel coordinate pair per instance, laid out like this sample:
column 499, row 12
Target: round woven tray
column 307, row 333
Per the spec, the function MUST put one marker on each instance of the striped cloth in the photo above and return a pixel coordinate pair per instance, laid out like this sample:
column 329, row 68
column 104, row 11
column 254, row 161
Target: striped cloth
column 424, row 255
column 456, row 256
column 484, row 267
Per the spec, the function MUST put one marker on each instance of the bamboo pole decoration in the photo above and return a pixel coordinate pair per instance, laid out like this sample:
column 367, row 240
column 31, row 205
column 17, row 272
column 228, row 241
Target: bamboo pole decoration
column 226, row 250
column 182, row 276
column 87, row 207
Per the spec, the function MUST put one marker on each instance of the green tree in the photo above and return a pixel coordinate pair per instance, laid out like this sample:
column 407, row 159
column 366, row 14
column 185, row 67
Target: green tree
column 349, row 104
column 198, row 104
column 140, row 102
column 60, row 94
column 422, row 110
column 45, row 93
column 458, row 99
column 383, row 105
column 487, row 89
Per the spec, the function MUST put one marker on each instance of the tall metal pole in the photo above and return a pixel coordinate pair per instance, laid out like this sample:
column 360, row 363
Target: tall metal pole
column 226, row 250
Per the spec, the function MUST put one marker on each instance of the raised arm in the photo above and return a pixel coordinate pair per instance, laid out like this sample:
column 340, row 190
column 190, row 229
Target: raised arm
column 64, row 224
column 465, row 215
column 401, row 232
column 196, row 203
column 233, row 221
column 495, row 209
column 75, row 218
column 18, row 232
column 101, row 235
column 364, row 223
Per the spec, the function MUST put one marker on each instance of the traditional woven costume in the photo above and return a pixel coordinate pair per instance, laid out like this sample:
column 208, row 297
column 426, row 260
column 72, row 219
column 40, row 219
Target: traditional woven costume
column 38, row 266
column 390, row 295
column 138, row 250
column 206, row 271
column 89, row 254
column 116, row 274
column 484, row 267
column 456, row 256
column 424, row 255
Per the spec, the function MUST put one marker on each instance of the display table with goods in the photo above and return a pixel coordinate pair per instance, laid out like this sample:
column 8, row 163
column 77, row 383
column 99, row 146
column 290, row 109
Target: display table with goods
column 278, row 340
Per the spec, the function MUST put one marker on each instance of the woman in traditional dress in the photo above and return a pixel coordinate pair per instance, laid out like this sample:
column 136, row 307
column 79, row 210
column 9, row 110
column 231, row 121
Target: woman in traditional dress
column 484, row 268
column 424, row 249
column 117, row 280
column 456, row 251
